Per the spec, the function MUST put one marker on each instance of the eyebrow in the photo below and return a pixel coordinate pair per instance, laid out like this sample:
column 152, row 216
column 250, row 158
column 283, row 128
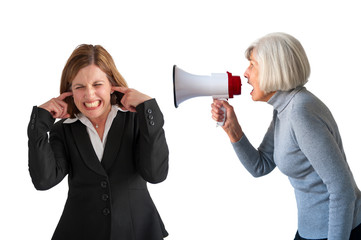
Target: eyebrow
column 253, row 60
column 76, row 85
column 96, row 81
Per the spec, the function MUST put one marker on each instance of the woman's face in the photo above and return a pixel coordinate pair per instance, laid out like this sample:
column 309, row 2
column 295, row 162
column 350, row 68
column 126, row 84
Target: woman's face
column 91, row 92
column 252, row 74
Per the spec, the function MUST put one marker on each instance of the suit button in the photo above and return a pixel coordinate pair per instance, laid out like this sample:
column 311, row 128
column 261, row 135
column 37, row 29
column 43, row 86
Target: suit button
column 106, row 211
column 149, row 111
column 105, row 197
column 103, row 184
column 150, row 117
column 151, row 123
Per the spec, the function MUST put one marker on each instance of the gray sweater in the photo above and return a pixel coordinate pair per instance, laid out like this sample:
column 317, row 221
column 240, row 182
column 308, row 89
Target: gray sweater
column 304, row 142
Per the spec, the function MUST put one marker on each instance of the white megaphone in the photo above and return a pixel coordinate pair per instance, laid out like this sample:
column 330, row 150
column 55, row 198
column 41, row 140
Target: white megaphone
column 218, row 85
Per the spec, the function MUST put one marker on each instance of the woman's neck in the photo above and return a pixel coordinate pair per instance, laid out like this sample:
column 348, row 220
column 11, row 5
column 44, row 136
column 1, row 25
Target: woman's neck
column 99, row 124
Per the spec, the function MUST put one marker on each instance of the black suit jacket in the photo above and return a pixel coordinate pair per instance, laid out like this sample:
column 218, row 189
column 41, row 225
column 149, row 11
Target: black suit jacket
column 107, row 199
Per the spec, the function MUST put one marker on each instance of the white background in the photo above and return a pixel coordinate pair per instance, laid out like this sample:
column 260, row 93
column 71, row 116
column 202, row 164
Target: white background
column 208, row 193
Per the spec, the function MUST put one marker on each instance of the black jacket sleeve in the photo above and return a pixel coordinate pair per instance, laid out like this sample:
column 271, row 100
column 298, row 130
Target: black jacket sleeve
column 47, row 156
column 152, row 149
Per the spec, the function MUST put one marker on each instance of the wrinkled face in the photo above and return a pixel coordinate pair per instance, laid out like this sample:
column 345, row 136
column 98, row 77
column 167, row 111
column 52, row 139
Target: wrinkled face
column 252, row 74
column 91, row 92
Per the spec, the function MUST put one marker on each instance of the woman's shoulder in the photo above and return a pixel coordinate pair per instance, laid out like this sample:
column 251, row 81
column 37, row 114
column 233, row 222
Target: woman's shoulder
column 306, row 100
column 304, row 96
column 306, row 106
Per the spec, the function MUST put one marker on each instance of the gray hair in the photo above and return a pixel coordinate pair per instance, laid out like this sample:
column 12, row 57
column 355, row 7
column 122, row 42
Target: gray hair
column 283, row 63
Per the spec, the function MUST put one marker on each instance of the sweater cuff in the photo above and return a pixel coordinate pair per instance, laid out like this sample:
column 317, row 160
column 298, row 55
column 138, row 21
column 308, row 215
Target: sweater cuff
column 240, row 142
column 244, row 149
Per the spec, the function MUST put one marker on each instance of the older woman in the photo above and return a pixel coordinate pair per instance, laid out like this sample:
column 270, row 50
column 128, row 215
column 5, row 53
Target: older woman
column 109, row 143
column 303, row 141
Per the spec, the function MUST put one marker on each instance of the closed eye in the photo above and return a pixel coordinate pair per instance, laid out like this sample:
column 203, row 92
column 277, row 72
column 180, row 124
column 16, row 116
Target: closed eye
column 78, row 87
column 97, row 83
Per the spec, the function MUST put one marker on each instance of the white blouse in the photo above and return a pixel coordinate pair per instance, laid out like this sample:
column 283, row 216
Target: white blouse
column 97, row 143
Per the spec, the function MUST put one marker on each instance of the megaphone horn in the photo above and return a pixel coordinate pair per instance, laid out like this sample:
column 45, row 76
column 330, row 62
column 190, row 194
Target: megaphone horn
column 217, row 85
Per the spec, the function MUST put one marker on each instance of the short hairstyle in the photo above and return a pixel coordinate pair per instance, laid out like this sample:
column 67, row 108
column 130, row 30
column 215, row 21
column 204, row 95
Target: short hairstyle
column 283, row 63
column 83, row 56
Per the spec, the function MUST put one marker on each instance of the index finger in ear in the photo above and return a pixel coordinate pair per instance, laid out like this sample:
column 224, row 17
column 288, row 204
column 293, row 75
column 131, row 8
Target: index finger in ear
column 64, row 95
column 120, row 89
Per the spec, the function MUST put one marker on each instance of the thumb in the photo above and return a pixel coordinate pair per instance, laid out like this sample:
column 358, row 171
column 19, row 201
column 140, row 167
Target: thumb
column 228, row 107
column 225, row 104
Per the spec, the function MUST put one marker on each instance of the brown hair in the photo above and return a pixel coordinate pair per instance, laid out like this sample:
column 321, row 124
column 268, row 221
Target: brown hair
column 83, row 56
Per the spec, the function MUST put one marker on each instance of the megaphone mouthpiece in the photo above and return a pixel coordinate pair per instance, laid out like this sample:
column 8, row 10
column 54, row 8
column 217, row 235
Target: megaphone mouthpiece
column 234, row 85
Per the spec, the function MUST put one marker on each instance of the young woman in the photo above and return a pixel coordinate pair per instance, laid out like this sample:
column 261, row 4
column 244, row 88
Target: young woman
column 110, row 142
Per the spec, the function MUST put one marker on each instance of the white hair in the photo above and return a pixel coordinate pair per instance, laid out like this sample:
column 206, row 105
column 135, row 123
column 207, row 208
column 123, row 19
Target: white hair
column 283, row 63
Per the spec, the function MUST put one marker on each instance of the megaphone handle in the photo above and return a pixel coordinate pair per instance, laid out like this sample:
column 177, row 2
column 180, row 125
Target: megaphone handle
column 224, row 113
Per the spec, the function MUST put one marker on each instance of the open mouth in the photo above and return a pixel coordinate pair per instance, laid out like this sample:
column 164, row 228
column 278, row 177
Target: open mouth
column 251, row 86
column 92, row 104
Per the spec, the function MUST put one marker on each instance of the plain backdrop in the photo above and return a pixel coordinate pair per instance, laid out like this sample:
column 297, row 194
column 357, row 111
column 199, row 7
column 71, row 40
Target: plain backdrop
column 208, row 194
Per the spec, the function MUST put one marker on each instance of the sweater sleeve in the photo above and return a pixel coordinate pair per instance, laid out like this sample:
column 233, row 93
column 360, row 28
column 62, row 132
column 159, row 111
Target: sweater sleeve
column 318, row 138
column 258, row 162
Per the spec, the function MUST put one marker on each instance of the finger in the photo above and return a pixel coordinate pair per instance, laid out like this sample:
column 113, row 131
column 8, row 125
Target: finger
column 55, row 107
column 65, row 116
column 126, row 100
column 128, row 108
column 61, row 103
column 217, row 117
column 217, row 114
column 225, row 103
column 217, row 101
column 120, row 89
column 127, row 105
column 64, row 95
column 132, row 109
column 63, row 108
column 60, row 109
column 216, row 108
column 56, row 113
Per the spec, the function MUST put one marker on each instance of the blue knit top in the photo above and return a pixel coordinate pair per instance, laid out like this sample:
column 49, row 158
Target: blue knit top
column 304, row 142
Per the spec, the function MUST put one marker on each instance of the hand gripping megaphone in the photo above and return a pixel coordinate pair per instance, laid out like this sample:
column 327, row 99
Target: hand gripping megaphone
column 218, row 85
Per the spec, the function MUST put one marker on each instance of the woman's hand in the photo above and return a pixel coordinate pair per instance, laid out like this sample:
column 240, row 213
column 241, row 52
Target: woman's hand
column 57, row 107
column 231, row 125
column 132, row 98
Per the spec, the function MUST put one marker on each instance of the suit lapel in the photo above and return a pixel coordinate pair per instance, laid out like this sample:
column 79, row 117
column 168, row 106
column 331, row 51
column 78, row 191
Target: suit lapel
column 114, row 140
column 85, row 148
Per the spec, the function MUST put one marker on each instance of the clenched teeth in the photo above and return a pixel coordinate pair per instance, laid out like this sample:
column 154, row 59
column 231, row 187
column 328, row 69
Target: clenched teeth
column 92, row 104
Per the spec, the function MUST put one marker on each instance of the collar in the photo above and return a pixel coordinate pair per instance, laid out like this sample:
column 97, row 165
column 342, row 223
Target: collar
column 112, row 114
column 281, row 99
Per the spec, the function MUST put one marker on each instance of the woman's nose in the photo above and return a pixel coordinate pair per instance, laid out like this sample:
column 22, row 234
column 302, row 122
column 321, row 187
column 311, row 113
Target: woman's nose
column 246, row 74
column 89, row 93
